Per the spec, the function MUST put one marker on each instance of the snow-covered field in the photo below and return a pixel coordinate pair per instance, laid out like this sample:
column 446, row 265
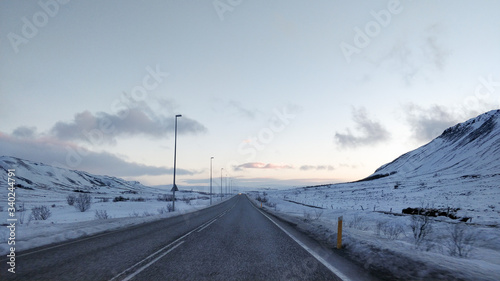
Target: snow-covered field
column 379, row 236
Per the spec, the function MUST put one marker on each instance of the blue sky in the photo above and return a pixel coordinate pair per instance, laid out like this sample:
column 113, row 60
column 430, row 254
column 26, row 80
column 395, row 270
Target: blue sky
column 286, row 93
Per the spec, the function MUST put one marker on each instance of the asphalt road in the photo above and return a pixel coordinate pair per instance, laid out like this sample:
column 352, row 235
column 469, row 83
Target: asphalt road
column 229, row 241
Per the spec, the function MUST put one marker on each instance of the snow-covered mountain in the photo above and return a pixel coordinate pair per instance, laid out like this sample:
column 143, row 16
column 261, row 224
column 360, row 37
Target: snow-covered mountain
column 468, row 149
column 38, row 176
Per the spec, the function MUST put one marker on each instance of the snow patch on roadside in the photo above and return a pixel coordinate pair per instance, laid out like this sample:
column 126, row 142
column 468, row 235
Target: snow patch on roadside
column 393, row 257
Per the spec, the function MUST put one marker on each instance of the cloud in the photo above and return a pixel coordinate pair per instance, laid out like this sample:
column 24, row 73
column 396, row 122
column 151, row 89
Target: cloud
column 419, row 55
column 318, row 167
column 307, row 167
column 250, row 114
column 428, row 123
column 24, row 132
column 271, row 183
column 234, row 108
column 68, row 155
column 260, row 165
column 371, row 132
column 433, row 50
column 400, row 58
column 102, row 127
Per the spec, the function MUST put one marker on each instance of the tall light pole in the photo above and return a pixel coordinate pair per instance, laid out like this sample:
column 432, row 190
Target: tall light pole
column 221, row 183
column 174, row 187
column 211, row 158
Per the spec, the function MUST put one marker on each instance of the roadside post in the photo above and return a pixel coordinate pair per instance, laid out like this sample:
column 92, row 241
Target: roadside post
column 339, row 233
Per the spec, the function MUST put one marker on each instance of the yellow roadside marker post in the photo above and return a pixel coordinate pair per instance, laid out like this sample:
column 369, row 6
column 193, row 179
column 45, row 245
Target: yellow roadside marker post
column 339, row 233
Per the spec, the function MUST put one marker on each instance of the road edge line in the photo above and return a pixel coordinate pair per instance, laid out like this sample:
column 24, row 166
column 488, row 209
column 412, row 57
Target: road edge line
column 309, row 250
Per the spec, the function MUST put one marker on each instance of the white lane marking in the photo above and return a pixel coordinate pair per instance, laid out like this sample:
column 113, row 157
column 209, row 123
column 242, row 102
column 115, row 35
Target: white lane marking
column 314, row 254
column 227, row 211
column 155, row 253
column 151, row 262
column 219, row 216
column 203, row 225
column 150, row 256
column 206, row 225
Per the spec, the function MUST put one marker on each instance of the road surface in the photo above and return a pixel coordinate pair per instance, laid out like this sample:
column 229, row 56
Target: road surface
column 229, row 241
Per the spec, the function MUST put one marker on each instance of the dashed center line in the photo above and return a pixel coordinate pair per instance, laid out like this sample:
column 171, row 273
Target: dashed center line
column 206, row 225
column 151, row 262
column 305, row 247
column 132, row 273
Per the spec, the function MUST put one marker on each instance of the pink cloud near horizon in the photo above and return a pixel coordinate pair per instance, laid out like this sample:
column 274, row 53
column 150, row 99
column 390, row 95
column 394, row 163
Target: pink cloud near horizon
column 260, row 165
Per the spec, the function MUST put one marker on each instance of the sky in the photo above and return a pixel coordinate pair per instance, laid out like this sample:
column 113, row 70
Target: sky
column 279, row 93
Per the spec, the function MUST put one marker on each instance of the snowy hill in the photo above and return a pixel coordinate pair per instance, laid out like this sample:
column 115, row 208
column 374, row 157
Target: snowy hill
column 471, row 148
column 39, row 176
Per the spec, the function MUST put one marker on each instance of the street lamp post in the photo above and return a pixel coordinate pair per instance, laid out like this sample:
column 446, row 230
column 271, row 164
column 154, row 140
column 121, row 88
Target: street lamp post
column 211, row 158
column 221, row 183
column 174, row 187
